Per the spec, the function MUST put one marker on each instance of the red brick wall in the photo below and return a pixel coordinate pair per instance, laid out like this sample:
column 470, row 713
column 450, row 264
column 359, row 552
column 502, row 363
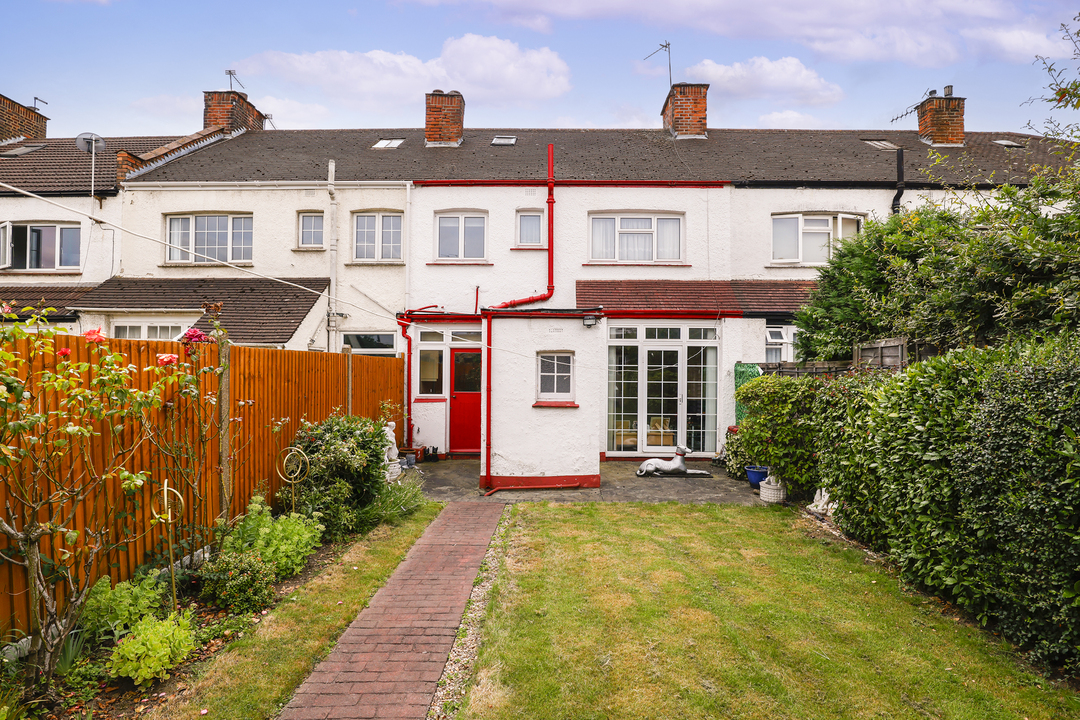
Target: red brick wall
column 445, row 121
column 941, row 120
column 685, row 110
column 18, row 120
column 231, row 110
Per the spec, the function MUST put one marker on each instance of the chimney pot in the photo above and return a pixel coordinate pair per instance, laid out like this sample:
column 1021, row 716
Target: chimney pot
column 948, row 91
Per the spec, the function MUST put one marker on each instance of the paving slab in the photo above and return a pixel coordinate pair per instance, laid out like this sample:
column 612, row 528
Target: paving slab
column 459, row 480
column 388, row 662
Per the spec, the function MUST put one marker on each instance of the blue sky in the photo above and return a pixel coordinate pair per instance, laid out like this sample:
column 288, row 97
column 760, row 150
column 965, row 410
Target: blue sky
column 138, row 67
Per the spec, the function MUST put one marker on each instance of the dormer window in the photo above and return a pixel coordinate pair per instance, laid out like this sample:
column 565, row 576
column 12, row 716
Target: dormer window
column 387, row 144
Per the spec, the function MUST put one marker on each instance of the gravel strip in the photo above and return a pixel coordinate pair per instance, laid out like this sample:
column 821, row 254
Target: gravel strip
column 460, row 667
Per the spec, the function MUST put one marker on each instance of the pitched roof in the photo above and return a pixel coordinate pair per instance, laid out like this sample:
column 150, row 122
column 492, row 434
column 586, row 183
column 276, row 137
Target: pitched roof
column 254, row 310
column 58, row 297
column 58, row 167
column 750, row 157
column 695, row 298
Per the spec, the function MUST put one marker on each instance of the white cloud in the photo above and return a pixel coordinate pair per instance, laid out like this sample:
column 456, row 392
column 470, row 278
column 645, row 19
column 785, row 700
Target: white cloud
column 1015, row 43
column 171, row 106
column 649, row 70
column 291, row 114
column 917, row 32
column 759, row 77
column 789, row 119
column 487, row 70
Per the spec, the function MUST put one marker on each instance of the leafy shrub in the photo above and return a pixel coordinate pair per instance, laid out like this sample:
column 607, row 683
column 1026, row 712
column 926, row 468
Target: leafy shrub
column 347, row 471
column 152, row 648
column 12, row 706
column 284, row 542
column 735, row 456
column 779, row 429
column 396, row 499
column 241, row 582
column 110, row 612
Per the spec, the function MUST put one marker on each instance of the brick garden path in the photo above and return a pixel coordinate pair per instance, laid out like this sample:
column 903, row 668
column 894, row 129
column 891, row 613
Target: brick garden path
column 388, row 661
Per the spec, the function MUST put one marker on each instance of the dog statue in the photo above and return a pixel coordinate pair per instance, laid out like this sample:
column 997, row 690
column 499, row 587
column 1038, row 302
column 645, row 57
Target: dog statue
column 676, row 465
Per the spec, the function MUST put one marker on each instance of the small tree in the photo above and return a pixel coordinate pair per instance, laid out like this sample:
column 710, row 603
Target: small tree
column 70, row 429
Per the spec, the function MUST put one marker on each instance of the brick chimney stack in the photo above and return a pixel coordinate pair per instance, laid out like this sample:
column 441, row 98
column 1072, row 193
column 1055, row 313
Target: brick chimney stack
column 444, row 125
column 231, row 110
column 20, row 121
column 941, row 119
column 685, row 109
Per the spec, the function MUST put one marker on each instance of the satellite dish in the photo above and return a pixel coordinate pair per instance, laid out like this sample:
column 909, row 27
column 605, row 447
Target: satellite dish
column 91, row 143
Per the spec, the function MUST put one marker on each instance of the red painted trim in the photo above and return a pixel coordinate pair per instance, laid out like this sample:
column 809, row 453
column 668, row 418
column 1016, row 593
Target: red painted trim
column 444, row 318
column 603, row 456
column 555, row 404
column 575, row 183
column 527, row 314
column 542, row 482
column 673, row 314
column 408, row 383
column 429, row 400
column 466, row 264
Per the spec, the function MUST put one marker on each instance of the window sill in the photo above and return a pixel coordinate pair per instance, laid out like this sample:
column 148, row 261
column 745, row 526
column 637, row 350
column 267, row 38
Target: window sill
column 530, row 247
column 460, row 262
column 662, row 263
column 241, row 263
column 556, row 403
column 777, row 265
column 42, row 271
column 429, row 400
column 371, row 263
column 313, row 248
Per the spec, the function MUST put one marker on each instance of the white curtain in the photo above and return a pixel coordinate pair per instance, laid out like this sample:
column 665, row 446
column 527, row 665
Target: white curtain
column 603, row 239
column 667, row 239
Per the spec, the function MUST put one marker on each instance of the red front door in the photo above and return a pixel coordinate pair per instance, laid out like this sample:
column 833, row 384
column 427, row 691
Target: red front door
column 465, row 382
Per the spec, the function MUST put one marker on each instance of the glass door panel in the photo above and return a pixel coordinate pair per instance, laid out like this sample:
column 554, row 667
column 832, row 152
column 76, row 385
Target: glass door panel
column 662, row 397
column 701, row 388
column 622, row 421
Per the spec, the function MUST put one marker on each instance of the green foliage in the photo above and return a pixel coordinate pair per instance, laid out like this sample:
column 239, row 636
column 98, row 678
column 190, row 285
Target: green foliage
column 779, row 429
column 111, row 612
column 396, row 500
column 74, row 644
column 12, row 706
column 153, row 648
column 284, row 542
column 735, row 456
column 242, row 582
column 347, row 456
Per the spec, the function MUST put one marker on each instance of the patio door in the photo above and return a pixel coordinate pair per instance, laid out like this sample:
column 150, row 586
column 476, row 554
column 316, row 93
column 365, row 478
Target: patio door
column 465, row 385
column 663, row 398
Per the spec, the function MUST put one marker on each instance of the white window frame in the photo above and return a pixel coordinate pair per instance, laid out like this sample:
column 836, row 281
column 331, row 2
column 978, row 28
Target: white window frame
column 557, row 357
column 144, row 330
column 619, row 220
column 463, row 217
column 385, row 352
column 518, row 235
column 303, row 232
column 182, row 253
column 782, row 338
column 7, row 239
column 836, row 221
column 381, row 250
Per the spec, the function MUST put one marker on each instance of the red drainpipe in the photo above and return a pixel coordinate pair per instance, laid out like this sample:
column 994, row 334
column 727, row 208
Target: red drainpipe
column 408, row 372
column 523, row 301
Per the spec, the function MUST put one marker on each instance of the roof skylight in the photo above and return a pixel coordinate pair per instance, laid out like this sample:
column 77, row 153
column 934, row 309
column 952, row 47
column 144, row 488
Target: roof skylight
column 388, row 144
column 20, row 151
column 504, row 140
column 881, row 144
column 1008, row 143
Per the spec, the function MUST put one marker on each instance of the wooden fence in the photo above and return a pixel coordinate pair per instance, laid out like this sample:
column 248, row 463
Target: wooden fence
column 260, row 403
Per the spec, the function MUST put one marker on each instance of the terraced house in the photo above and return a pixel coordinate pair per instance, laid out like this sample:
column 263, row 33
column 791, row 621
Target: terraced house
column 562, row 296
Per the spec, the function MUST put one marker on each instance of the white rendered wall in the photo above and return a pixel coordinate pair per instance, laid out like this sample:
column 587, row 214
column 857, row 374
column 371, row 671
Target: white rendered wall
column 98, row 243
column 742, row 341
column 532, row 441
column 368, row 292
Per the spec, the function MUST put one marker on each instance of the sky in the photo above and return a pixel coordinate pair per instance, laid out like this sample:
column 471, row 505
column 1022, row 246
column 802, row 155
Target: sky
column 139, row 67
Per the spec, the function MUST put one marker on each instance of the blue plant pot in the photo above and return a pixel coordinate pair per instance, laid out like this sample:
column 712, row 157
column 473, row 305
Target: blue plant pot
column 755, row 474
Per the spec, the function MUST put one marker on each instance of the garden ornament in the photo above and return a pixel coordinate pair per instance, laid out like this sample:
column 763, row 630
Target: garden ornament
column 674, row 466
column 393, row 464
column 292, row 467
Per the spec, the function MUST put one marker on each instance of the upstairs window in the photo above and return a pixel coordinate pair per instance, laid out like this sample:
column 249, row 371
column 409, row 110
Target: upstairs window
column 461, row 236
column 378, row 237
column 636, row 238
column 531, row 231
column 40, row 247
column 210, row 238
column 808, row 239
column 311, row 230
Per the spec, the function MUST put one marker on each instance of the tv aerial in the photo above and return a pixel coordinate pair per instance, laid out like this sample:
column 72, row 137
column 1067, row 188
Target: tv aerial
column 665, row 46
column 93, row 144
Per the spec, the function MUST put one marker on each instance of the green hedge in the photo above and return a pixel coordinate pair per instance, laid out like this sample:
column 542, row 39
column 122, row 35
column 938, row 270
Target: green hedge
column 779, row 428
column 964, row 468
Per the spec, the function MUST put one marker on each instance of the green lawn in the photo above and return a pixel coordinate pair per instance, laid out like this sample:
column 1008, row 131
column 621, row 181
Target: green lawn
column 669, row 611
